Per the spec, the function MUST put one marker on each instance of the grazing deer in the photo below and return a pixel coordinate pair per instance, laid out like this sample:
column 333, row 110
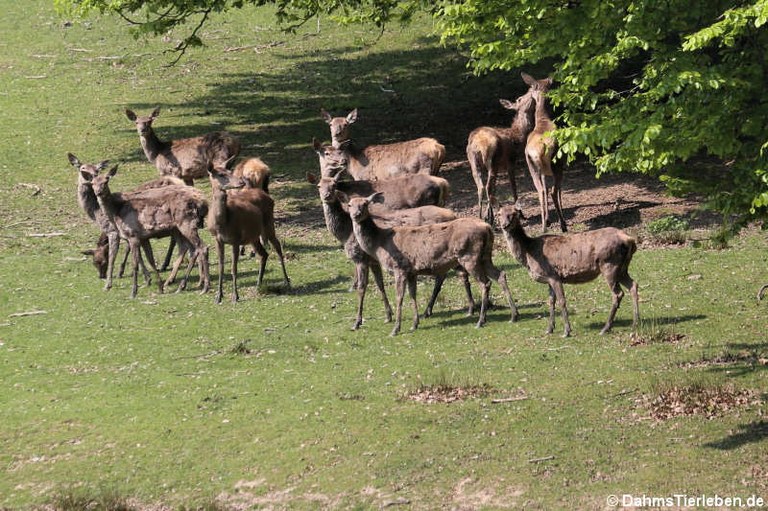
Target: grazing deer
column 434, row 250
column 492, row 150
column 185, row 158
column 540, row 148
column 573, row 259
column 154, row 213
column 422, row 155
column 240, row 216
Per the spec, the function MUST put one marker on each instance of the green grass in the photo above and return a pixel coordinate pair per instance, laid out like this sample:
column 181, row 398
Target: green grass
column 113, row 403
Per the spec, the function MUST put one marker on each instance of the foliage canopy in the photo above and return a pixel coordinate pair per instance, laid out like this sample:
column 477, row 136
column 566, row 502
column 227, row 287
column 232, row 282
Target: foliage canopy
column 672, row 88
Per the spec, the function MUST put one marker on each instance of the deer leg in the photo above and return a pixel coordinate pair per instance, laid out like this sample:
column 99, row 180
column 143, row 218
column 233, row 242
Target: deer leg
column 279, row 251
column 631, row 285
column 512, row 181
column 479, row 184
column 183, row 249
column 135, row 255
column 168, row 254
column 113, row 240
column 378, row 278
column 439, row 279
column 617, row 294
column 220, row 254
column 400, row 288
column 501, row 278
column 201, row 254
column 361, row 276
column 121, row 270
column 490, row 192
column 412, row 293
column 151, row 260
column 557, row 295
column 485, row 287
column 263, row 255
column 557, row 198
column 235, row 257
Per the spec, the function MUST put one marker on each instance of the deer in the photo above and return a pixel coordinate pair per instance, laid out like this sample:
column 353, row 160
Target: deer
column 540, row 149
column 155, row 213
column 422, row 155
column 761, row 292
column 240, row 216
column 406, row 252
column 573, row 259
column 332, row 160
column 493, row 150
column 339, row 225
column 185, row 158
column 254, row 172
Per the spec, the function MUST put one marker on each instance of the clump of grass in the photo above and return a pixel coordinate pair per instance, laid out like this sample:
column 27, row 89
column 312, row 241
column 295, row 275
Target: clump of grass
column 241, row 348
column 653, row 332
column 447, row 389
column 669, row 229
column 86, row 499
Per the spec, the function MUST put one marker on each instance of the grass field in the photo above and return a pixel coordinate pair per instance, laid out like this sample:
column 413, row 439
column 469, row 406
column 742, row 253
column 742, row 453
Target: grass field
column 171, row 401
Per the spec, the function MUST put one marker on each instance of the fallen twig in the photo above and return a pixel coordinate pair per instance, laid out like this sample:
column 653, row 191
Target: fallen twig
column 46, row 234
column 508, row 399
column 27, row 313
column 539, row 460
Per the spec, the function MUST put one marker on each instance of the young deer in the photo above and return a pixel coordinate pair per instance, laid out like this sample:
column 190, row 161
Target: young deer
column 155, row 213
column 185, row 158
column 491, row 151
column 573, row 259
column 435, row 249
column 240, row 216
column 422, row 155
column 254, row 172
column 540, row 148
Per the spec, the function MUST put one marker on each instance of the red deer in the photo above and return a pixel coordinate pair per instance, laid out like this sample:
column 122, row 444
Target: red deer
column 154, row 213
column 434, row 250
column 185, row 158
column 573, row 259
column 422, row 155
column 240, row 216
column 539, row 151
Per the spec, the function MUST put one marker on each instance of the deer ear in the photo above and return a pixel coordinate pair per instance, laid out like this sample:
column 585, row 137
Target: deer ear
column 130, row 114
column 326, row 116
column 316, row 145
column 528, row 79
column 112, row 172
column 73, row 160
column 352, row 116
column 155, row 113
column 88, row 252
column 507, row 104
column 343, row 197
column 102, row 165
column 87, row 176
column 376, row 198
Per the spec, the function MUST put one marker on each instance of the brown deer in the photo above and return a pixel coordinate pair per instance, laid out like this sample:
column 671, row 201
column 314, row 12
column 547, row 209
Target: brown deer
column 573, row 259
column 240, row 216
column 422, row 155
column 332, row 160
column 540, row 149
column 155, row 213
column 339, row 224
column 185, row 158
column 492, row 150
column 434, row 250
column 254, row 172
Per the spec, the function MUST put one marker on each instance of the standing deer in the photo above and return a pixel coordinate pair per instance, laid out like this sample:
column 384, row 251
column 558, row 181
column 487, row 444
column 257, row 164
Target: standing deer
column 422, row 155
column 176, row 210
column 239, row 216
column 492, row 150
column 573, row 259
column 185, row 158
column 539, row 151
column 434, row 250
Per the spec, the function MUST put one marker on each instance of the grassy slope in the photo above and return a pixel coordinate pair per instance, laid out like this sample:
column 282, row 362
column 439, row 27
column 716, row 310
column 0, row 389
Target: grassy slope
column 153, row 398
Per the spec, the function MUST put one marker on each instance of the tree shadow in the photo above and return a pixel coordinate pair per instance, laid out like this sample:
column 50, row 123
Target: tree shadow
column 749, row 433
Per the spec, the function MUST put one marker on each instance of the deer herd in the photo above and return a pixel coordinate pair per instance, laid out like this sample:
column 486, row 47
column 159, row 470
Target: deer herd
column 383, row 203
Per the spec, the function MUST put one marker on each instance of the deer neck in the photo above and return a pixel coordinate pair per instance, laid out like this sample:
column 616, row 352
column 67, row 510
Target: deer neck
column 218, row 210
column 544, row 116
column 337, row 221
column 367, row 235
column 523, row 124
column 87, row 199
column 518, row 241
column 152, row 145
column 108, row 205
